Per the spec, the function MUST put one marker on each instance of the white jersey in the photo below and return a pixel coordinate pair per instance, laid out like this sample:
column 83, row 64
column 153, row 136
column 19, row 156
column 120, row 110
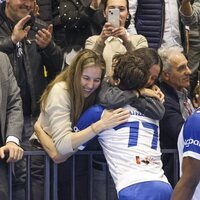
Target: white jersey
column 189, row 143
column 132, row 150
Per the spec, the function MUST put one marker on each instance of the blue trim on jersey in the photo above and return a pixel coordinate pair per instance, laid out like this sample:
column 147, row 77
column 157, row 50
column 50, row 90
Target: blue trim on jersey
column 90, row 116
column 191, row 133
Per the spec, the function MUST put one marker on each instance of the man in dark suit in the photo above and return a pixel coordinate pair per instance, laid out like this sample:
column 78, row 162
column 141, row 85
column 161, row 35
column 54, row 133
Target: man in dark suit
column 11, row 122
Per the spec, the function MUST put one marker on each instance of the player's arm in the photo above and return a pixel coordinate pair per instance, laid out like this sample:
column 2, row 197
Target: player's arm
column 150, row 107
column 112, row 97
column 90, row 124
column 190, row 178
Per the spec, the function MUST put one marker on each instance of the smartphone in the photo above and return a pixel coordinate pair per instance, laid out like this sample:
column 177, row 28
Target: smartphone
column 113, row 16
column 35, row 23
column 31, row 21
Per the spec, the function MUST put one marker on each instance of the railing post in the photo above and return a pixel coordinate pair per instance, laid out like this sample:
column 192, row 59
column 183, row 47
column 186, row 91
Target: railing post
column 10, row 169
column 47, row 179
column 176, row 168
column 90, row 176
column 28, row 177
column 55, row 181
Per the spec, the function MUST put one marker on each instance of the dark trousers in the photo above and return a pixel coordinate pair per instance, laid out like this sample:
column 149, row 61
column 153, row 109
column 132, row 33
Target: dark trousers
column 3, row 181
column 169, row 170
column 18, row 183
column 19, row 180
column 37, row 178
column 65, row 179
column 82, row 182
column 37, row 168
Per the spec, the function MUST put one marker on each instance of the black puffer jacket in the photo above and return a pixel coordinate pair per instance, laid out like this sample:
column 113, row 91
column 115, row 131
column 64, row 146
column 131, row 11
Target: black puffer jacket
column 29, row 67
column 150, row 20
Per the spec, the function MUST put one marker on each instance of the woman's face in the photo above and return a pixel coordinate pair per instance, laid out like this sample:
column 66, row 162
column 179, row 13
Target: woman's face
column 90, row 79
column 154, row 73
column 122, row 6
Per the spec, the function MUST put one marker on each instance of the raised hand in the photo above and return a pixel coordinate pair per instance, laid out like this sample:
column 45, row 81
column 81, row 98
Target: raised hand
column 19, row 32
column 121, row 33
column 106, row 31
column 44, row 36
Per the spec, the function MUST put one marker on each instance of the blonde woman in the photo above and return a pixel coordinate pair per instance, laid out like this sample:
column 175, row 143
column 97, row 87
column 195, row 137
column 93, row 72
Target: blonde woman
column 64, row 100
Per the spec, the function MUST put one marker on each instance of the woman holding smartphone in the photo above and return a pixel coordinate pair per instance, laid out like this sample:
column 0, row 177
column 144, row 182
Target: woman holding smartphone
column 115, row 40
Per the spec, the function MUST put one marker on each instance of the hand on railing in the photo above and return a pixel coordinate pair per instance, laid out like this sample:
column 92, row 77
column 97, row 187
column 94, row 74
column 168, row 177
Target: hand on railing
column 12, row 151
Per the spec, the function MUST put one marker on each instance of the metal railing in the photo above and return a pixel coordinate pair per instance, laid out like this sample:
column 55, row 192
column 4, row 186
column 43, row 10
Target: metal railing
column 49, row 194
column 51, row 187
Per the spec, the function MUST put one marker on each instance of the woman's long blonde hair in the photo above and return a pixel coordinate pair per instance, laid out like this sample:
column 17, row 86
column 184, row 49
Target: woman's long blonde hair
column 71, row 75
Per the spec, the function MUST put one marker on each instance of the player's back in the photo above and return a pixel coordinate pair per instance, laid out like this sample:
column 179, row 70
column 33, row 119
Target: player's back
column 132, row 150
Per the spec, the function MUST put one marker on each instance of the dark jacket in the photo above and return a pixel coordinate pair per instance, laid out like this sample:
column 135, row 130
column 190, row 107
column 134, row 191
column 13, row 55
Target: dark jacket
column 172, row 121
column 112, row 98
column 150, row 21
column 46, row 10
column 170, row 127
column 30, row 66
column 71, row 27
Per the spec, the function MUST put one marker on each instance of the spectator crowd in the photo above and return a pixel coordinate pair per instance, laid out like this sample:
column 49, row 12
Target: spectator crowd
column 71, row 80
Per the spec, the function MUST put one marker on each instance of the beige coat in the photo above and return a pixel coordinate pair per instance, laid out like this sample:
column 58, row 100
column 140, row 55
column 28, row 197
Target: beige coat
column 114, row 46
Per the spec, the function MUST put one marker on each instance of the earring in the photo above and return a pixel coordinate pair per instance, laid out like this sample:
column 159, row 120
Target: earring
column 115, row 83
